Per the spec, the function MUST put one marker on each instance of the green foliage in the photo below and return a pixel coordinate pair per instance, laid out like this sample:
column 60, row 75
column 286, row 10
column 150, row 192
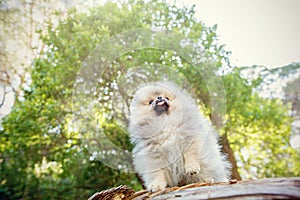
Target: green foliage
column 258, row 130
column 42, row 158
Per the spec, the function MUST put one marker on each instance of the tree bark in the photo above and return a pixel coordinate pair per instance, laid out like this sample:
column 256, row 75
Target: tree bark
column 217, row 120
column 273, row 188
column 226, row 149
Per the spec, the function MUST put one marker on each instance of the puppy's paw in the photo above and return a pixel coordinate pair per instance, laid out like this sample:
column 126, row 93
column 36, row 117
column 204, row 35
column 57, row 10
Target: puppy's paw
column 192, row 170
column 209, row 180
column 156, row 185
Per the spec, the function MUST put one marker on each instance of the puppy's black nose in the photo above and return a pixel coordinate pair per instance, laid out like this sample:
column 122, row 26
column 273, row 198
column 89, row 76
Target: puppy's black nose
column 159, row 97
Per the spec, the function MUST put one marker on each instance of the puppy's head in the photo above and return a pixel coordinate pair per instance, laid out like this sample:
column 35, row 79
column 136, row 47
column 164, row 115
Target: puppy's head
column 155, row 99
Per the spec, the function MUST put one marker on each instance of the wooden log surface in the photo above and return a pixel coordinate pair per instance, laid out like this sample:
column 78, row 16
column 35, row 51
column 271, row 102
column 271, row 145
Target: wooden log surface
column 272, row 188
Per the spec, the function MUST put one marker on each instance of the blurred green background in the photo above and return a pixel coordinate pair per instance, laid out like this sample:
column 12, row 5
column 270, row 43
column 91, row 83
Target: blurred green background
column 41, row 157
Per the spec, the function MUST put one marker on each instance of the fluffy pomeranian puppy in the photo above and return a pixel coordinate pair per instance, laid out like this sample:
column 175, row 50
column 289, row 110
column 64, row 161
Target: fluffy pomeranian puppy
column 174, row 144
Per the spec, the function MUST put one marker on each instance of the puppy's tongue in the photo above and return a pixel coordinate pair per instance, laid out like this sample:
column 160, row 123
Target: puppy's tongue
column 161, row 103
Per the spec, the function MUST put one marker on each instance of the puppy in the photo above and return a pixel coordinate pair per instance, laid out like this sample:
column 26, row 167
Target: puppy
column 174, row 144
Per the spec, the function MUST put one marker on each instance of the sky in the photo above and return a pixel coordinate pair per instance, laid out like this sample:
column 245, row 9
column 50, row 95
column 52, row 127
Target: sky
column 257, row 32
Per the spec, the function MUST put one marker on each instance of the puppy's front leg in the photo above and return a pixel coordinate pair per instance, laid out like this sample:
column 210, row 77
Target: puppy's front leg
column 150, row 164
column 155, row 181
column 192, row 160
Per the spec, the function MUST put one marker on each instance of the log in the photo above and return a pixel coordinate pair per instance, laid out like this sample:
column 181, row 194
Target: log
column 121, row 192
column 272, row 188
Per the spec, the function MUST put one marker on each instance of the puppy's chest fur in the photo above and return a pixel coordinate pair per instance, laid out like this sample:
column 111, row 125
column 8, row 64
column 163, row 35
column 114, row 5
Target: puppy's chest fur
column 168, row 138
column 169, row 146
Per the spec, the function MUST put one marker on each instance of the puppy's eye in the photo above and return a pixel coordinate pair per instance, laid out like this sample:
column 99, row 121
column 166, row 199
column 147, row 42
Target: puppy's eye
column 150, row 102
column 167, row 98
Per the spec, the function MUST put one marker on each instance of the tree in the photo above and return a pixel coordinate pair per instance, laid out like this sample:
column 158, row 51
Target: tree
column 43, row 157
column 258, row 130
column 20, row 44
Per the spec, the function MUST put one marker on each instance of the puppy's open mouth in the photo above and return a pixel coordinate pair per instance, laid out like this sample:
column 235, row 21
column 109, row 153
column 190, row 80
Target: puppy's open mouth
column 161, row 105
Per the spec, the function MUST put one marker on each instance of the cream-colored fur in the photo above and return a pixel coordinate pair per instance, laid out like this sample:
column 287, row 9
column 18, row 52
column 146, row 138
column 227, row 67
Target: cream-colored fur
column 177, row 145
